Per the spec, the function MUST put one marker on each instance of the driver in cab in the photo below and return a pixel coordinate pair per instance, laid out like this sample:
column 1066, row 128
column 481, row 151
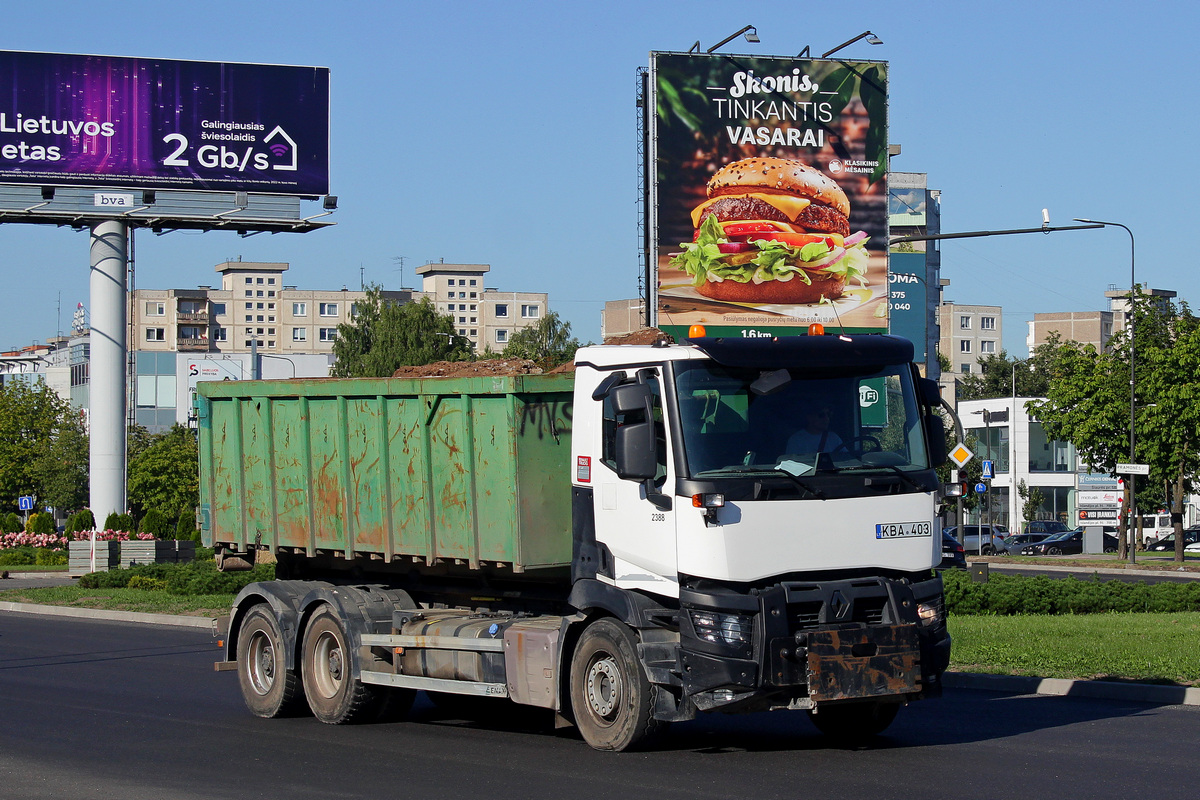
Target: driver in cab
column 815, row 436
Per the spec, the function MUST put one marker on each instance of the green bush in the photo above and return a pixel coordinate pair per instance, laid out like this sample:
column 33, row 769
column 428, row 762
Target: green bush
column 147, row 583
column 119, row 522
column 46, row 557
column 81, row 521
column 185, row 527
column 156, row 524
column 18, row 556
column 1005, row 595
column 11, row 523
column 41, row 523
column 191, row 578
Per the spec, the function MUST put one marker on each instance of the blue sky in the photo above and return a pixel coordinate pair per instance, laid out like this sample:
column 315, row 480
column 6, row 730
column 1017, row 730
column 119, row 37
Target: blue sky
column 505, row 133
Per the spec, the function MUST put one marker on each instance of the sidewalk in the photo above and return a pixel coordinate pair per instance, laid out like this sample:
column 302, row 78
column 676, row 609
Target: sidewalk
column 1005, row 684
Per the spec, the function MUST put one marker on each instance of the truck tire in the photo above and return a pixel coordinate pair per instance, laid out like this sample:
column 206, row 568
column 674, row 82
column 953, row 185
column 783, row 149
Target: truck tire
column 269, row 688
column 611, row 697
column 854, row 723
column 334, row 694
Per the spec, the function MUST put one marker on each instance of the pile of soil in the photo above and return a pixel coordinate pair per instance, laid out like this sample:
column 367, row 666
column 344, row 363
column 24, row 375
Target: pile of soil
column 643, row 336
column 470, row 369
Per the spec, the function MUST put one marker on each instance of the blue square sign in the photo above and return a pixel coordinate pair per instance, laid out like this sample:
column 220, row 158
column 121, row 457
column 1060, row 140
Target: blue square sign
column 988, row 472
column 25, row 503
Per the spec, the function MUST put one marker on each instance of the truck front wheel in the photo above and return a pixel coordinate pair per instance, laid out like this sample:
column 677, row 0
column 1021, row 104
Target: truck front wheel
column 334, row 694
column 854, row 723
column 269, row 688
column 610, row 695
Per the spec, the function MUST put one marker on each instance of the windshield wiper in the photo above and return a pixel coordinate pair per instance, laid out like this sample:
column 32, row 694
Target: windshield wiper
column 796, row 479
column 901, row 474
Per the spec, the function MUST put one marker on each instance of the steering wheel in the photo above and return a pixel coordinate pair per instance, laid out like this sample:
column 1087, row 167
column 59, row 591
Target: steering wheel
column 862, row 442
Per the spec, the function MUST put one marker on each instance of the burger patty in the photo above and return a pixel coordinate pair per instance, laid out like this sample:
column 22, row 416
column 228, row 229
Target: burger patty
column 817, row 218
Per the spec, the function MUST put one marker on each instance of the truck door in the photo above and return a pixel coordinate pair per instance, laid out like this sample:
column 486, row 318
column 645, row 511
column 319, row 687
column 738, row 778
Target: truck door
column 633, row 518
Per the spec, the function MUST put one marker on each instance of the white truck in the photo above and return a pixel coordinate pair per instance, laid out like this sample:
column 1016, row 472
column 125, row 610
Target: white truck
column 629, row 547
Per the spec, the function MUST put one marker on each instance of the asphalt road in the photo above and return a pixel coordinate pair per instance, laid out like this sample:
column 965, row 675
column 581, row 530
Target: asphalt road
column 113, row 710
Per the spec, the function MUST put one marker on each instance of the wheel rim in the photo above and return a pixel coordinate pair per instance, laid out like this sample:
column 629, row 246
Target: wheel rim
column 328, row 665
column 260, row 663
column 604, row 687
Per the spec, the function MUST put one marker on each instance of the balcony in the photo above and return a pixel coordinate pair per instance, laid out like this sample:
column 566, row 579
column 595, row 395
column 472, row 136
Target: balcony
column 192, row 316
column 189, row 345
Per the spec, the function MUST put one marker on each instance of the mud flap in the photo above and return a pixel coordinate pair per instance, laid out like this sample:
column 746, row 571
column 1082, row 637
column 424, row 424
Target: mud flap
column 854, row 662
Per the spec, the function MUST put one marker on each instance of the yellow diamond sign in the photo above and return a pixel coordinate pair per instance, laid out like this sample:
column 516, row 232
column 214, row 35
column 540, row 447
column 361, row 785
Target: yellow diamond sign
column 960, row 455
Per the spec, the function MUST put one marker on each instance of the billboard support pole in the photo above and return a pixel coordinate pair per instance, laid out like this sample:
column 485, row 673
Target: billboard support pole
column 107, row 387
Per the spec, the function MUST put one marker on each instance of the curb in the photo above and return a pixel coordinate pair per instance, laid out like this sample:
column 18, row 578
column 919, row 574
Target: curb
column 1156, row 694
column 175, row 620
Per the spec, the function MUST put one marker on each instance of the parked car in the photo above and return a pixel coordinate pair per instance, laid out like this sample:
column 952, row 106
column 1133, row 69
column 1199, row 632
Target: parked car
column 1012, row 544
column 1067, row 543
column 1046, row 526
column 1190, row 536
column 953, row 554
column 993, row 538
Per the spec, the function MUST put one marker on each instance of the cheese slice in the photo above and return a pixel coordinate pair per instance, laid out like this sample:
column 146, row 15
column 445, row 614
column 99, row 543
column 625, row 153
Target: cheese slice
column 786, row 204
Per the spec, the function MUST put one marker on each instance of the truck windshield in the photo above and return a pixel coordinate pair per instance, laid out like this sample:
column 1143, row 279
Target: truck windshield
column 747, row 421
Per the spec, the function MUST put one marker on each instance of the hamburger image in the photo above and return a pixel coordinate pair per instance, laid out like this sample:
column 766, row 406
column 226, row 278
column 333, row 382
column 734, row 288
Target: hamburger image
column 773, row 230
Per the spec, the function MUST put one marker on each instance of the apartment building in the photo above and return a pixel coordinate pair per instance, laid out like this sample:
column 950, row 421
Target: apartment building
column 1092, row 327
column 487, row 317
column 969, row 332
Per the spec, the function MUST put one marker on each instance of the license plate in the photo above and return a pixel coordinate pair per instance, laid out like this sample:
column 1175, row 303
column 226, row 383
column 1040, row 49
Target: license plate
column 901, row 530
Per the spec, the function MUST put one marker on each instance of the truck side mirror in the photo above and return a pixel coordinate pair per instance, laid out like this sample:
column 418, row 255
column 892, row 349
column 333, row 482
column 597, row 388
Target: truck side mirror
column 931, row 393
column 936, row 427
column 635, row 456
column 630, row 397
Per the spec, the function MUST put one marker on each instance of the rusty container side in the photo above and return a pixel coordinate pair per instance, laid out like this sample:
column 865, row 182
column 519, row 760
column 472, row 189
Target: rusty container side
column 470, row 470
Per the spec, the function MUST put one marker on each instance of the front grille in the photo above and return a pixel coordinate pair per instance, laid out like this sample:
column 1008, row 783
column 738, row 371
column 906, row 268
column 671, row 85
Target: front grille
column 814, row 605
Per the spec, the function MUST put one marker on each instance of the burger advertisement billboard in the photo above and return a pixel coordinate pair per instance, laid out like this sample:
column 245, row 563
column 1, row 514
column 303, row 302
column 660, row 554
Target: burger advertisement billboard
column 79, row 120
column 769, row 194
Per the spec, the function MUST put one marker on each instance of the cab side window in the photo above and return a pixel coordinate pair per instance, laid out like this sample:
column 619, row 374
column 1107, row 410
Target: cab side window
column 612, row 420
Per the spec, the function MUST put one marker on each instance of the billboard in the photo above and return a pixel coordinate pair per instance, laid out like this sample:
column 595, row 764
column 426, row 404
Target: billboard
column 768, row 198
column 79, row 120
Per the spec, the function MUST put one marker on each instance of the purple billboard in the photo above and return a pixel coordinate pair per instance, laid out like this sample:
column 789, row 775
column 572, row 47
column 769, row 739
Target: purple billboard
column 73, row 120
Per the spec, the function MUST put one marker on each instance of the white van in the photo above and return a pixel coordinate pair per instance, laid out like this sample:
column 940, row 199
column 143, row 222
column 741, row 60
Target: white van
column 1155, row 527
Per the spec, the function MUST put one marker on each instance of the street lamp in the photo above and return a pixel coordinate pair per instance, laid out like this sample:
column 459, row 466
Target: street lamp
column 1129, row 504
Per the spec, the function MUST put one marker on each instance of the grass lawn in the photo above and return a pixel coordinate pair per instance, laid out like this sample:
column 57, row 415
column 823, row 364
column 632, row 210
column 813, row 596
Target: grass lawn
column 1159, row 648
column 151, row 602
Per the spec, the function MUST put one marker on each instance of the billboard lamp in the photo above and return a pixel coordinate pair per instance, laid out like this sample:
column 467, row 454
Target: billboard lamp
column 870, row 37
column 149, row 197
column 750, row 32
column 47, row 193
column 330, row 202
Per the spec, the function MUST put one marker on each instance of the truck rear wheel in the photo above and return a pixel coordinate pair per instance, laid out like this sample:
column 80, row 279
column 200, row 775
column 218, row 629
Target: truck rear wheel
column 269, row 688
column 610, row 695
column 854, row 723
column 334, row 694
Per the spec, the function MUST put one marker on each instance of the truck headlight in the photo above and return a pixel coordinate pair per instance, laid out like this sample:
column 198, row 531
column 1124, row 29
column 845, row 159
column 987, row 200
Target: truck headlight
column 931, row 612
column 713, row 626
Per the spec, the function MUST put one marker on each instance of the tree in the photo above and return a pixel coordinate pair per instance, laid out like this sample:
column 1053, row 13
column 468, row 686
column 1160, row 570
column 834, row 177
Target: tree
column 996, row 375
column 63, row 466
column 1088, row 402
column 549, row 343
column 386, row 334
column 34, row 423
column 165, row 475
column 1032, row 500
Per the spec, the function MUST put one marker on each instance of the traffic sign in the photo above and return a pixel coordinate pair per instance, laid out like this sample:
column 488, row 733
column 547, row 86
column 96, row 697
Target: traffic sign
column 988, row 472
column 25, row 503
column 1133, row 469
column 961, row 454
column 980, row 488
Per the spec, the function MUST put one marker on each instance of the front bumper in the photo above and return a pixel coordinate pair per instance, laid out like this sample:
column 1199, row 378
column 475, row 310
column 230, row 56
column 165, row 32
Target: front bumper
column 817, row 642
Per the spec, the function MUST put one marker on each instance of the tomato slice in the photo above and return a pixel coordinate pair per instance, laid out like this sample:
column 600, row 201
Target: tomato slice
column 799, row 239
column 733, row 229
